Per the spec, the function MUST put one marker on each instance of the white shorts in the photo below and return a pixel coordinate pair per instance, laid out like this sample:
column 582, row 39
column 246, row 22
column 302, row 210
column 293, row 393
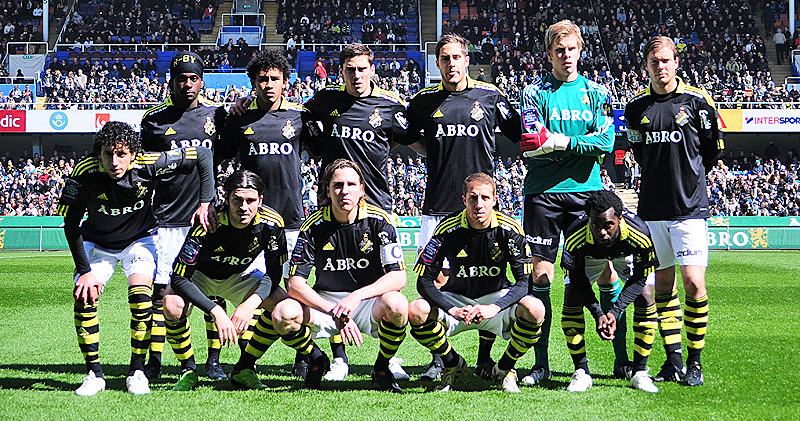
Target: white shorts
column 324, row 326
column 138, row 258
column 622, row 265
column 169, row 242
column 684, row 242
column 235, row 288
column 427, row 225
column 500, row 324
column 260, row 264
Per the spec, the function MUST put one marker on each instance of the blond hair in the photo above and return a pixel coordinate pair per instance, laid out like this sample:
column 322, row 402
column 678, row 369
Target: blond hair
column 560, row 30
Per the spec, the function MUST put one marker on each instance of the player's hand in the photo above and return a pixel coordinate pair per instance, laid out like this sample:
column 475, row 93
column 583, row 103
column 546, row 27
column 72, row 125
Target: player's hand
column 207, row 216
column 606, row 326
column 543, row 142
column 88, row 289
column 241, row 105
column 346, row 306
column 481, row 312
column 349, row 331
column 241, row 318
column 225, row 327
column 460, row 313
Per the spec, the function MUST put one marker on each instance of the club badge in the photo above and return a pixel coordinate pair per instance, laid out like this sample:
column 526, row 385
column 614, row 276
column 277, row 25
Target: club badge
column 365, row 245
column 682, row 118
column 209, row 127
column 288, row 130
column 140, row 189
column 477, row 112
column 253, row 246
column 585, row 99
column 375, row 119
column 496, row 254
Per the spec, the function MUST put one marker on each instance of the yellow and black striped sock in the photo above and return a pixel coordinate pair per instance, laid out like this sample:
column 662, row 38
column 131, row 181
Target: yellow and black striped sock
column 670, row 322
column 212, row 336
column 179, row 336
column 337, row 347
column 140, row 303
column 524, row 335
column 302, row 342
column 87, row 326
column 696, row 320
column 574, row 327
column 248, row 334
column 390, row 336
column 158, row 333
column 431, row 335
column 263, row 335
column 645, row 322
column 485, row 343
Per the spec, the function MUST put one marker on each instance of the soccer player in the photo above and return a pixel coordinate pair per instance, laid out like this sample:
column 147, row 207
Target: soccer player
column 359, row 274
column 480, row 244
column 567, row 126
column 215, row 264
column 184, row 119
column 454, row 123
column 675, row 137
column 114, row 187
column 608, row 232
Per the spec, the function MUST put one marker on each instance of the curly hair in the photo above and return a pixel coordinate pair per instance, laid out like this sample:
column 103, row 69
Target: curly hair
column 115, row 134
column 266, row 60
column 603, row 200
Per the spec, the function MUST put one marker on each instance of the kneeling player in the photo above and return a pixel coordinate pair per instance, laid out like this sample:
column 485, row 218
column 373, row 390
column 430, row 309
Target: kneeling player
column 215, row 264
column 114, row 187
column 360, row 272
column 608, row 232
column 480, row 244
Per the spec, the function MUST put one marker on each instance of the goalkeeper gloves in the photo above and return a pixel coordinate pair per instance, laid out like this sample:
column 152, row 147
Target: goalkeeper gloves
column 535, row 144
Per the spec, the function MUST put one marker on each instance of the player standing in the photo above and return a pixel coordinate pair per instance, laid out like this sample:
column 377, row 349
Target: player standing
column 675, row 137
column 114, row 186
column 185, row 119
column 458, row 117
column 480, row 244
column 567, row 126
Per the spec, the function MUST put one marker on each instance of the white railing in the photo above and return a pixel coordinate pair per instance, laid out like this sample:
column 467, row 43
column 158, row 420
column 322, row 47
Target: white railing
column 338, row 47
column 30, row 47
column 131, row 47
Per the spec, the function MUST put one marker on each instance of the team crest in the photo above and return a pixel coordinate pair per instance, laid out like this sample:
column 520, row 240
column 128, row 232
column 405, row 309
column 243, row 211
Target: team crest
column 375, row 119
column 253, row 246
column 477, row 111
column 209, row 127
column 384, row 237
column 585, row 99
column 288, row 130
column 513, row 249
column 140, row 190
column 273, row 243
column 496, row 254
column 365, row 245
column 682, row 118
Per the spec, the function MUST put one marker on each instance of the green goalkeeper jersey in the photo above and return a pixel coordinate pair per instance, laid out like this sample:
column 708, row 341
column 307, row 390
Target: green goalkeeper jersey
column 580, row 109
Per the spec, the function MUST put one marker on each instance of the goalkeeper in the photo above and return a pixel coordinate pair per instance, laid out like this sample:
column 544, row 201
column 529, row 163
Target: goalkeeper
column 567, row 126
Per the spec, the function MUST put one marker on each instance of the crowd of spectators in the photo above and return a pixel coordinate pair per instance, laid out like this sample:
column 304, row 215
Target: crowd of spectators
column 20, row 21
column 17, row 98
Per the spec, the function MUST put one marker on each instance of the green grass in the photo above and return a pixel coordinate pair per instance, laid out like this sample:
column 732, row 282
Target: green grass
column 750, row 363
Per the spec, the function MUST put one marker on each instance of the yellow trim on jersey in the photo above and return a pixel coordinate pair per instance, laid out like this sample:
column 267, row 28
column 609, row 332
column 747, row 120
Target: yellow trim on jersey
column 447, row 223
column 200, row 231
column 223, row 218
column 382, row 93
column 268, row 214
column 577, row 238
column 327, row 213
column 702, row 92
column 167, row 103
column 512, row 223
column 372, row 209
column 465, row 222
column 313, row 219
column 207, row 102
column 91, row 164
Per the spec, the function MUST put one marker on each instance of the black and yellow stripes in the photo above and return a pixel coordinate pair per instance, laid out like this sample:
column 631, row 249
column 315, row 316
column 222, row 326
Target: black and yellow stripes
column 266, row 214
column 86, row 166
column 574, row 327
column 140, row 302
column 87, row 328
column 696, row 321
column 670, row 321
column 158, row 330
column 312, row 219
column 524, row 334
column 431, row 335
column 645, row 322
column 263, row 336
column 179, row 335
column 374, row 211
column 390, row 336
column 248, row 334
column 212, row 334
column 510, row 223
column 301, row 340
column 700, row 93
column 577, row 239
column 447, row 223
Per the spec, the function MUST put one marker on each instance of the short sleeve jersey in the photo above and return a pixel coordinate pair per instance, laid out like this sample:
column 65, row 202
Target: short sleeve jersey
column 675, row 138
column 362, row 130
column 580, row 109
column 166, row 127
column 268, row 143
column 346, row 256
column 459, row 137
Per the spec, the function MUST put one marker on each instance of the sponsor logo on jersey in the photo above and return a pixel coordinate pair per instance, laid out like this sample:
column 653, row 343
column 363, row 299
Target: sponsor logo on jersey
column 273, row 243
column 429, row 253
column 219, row 249
column 458, row 130
column 539, row 240
column 474, row 271
column 102, row 196
column 166, row 170
column 513, row 249
column 327, row 247
column 209, row 127
column 299, row 250
column 288, row 130
column 401, row 119
column 334, row 265
column 232, row 260
column 570, row 115
column 585, row 99
column 503, row 108
column 673, row 136
column 249, row 130
column 335, row 113
column 687, row 253
column 462, row 253
column 530, row 117
column 704, row 121
column 187, row 143
column 271, row 148
column 645, row 120
column 375, row 119
column 682, row 118
column 121, row 211
column 477, row 112
column 438, row 114
column 354, row 133
column 170, row 131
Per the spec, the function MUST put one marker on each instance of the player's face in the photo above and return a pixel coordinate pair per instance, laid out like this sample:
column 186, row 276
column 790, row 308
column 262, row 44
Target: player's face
column 479, row 200
column 116, row 160
column 662, row 66
column 243, row 206
column 564, row 56
column 604, row 227
column 269, row 85
column 357, row 73
column 452, row 63
column 345, row 190
column 186, row 87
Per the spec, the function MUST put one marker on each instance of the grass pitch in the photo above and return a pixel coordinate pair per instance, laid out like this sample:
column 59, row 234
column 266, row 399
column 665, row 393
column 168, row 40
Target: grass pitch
column 750, row 362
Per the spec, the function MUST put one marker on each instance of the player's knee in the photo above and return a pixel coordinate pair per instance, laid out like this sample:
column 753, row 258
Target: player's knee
column 531, row 308
column 645, row 299
column 395, row 305
column 287, row 316
column 418, row 311
column 174, row 306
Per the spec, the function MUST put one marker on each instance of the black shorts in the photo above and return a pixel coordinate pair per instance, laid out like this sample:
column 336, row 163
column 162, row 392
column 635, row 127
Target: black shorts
column 546, row 215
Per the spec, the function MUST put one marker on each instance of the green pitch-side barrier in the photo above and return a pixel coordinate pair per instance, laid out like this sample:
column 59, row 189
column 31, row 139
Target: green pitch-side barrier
column 724, row 233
